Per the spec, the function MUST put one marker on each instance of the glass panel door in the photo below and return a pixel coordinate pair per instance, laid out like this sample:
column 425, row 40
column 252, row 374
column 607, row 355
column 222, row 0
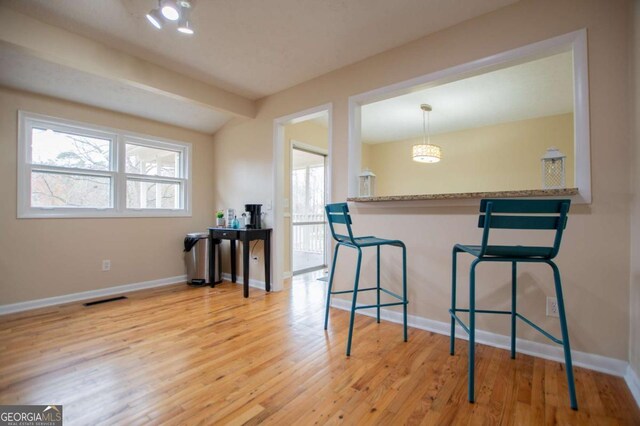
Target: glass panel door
column 307, row 211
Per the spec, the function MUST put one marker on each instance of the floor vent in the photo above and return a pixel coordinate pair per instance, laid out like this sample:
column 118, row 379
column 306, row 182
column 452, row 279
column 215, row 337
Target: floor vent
column 98, row 302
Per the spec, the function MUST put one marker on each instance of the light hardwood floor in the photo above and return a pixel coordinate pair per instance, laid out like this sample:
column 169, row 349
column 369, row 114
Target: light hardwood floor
column 181, row 355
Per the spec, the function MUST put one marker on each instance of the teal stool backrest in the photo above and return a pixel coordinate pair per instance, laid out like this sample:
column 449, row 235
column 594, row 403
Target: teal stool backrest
column 524, row 214
column 338, row 214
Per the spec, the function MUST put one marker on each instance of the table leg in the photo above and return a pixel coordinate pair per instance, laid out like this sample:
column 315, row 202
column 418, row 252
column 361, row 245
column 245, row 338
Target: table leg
column 232, row 243
column 245, row 265
column 267, row 261
column 212, row 262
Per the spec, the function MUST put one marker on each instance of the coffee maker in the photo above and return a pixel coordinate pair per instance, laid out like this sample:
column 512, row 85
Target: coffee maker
column 256, row 215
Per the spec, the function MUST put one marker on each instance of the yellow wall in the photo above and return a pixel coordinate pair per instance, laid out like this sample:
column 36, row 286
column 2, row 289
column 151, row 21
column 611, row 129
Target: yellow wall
column 493, row 158
column 309, row 133
column 365, row 160
column 594, row 259
column 51, row 257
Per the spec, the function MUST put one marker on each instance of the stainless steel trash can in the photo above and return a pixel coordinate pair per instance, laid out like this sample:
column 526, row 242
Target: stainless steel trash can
column 196, row 257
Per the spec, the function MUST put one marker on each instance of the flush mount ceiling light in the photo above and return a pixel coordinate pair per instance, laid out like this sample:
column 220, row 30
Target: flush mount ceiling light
column 426, row 152
column 171, row 11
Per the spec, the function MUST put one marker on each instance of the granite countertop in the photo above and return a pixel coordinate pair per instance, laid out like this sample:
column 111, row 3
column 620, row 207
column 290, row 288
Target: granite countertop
column 463, row 195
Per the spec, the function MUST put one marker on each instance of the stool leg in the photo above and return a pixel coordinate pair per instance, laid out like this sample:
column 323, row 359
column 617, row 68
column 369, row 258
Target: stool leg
column 378, row 284
column 472, row 329
column 452, row 337
column 330, row 286
column 514, row 275
column 565, row 337
column 353, row 303
column 404, row 290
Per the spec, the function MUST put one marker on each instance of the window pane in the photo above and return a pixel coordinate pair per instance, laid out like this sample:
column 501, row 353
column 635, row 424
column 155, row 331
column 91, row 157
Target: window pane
column 63, row 190
column 148, row 161
column 152, row 195
column 61, row 149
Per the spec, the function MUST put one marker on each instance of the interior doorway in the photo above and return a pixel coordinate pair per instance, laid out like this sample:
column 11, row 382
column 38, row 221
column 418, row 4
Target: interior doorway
column 310, row 127
column 308, row 225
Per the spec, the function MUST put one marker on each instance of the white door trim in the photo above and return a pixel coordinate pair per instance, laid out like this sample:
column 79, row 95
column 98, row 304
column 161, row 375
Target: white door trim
column 279, row 144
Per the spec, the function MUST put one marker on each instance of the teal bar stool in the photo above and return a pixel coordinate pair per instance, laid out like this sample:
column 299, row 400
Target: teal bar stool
column 338, row 215
column 514, row 214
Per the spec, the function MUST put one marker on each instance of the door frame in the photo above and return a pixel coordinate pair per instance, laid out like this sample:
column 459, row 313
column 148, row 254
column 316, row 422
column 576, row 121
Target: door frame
column 301, row 146
column 278, row 182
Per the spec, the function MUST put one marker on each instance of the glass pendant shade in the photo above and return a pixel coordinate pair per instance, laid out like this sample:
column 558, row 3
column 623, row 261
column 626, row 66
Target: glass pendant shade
column 426, row 152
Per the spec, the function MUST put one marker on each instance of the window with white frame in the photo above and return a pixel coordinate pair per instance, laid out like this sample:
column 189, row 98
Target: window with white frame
column 69, row 169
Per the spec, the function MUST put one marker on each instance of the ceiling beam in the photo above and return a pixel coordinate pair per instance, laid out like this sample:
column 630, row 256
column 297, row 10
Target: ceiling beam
column 60, row 46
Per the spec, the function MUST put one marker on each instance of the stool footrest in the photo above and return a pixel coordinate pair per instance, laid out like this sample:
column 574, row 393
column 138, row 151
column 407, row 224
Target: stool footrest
column 351, row 291
column 382, row 305
column 390, row 293
column 484, row 311
column 459, row 321
column 540, row 330
column 546, row 334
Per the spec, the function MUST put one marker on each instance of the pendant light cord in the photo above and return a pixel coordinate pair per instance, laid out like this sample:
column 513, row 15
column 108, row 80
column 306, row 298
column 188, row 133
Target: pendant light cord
column 426, row 128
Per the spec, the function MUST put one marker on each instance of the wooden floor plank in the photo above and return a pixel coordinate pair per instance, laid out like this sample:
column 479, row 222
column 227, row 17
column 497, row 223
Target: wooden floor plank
column 183, row 355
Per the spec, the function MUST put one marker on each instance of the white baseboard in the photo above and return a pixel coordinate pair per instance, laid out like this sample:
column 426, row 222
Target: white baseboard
column 240, row 280
column 633, row 382
column 91, row 294
column 599, row 363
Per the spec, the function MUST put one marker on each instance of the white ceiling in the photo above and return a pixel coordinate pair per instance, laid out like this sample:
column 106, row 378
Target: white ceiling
column 22, row 71
column 256, row 47
column 538, row 88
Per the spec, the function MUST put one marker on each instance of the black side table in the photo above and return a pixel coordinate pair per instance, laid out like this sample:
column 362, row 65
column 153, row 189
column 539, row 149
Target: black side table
column 246, row 236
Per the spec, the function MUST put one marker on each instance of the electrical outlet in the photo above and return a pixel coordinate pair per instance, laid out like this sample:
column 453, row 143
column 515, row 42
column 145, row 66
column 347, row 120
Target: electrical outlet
column 106, row 265
column 552, row 307
column 254, row 259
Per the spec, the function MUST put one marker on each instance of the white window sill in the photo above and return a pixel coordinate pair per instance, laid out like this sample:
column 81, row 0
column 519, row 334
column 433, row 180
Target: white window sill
column 53, row 214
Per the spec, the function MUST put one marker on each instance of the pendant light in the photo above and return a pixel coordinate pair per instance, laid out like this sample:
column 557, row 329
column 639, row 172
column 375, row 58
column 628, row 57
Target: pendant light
column 426, row 152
